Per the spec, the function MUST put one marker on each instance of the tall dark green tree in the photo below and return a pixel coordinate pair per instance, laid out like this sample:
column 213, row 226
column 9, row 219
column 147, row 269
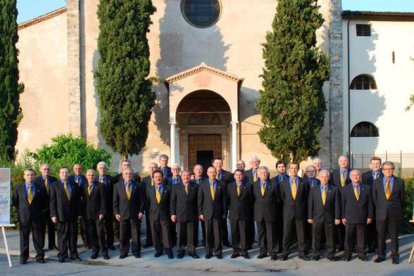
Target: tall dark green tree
column 292, row 104
column 10, row 111
column 124, row 89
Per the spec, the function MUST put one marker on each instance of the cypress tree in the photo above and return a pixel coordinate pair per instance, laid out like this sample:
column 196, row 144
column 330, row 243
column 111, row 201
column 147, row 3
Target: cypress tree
column 292, row 104
column 125, row 91
column 10, row 89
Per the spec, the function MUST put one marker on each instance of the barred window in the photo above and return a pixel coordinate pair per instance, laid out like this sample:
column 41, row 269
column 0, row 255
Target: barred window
column 363, row 29
column 364, row 129
column 201, row 13
column 363, row 82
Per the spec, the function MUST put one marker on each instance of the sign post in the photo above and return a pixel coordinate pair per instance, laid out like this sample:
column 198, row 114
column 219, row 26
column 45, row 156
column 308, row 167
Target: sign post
column 5, row 192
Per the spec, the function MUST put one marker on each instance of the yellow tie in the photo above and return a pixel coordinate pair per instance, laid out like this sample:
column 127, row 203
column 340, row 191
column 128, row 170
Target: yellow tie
column 375, row 175
column 356, row 193
column 67, row 192
column 89, row 189
column 254, row 176
column 47, row 185
column 128, row 191
column 324, row 196
column 342, row 178
column 262, row 189
column 387, row 189
column 238, row 190
column 294, row 188
column 186, row 188
column 158, row 194
column 212, row 191
column 30, row 194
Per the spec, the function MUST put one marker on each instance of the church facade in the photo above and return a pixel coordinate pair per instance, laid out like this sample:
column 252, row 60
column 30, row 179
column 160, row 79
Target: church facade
column 208, row 56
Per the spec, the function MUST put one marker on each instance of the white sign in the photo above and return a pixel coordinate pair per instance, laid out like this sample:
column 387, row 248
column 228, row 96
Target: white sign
column 4, row 196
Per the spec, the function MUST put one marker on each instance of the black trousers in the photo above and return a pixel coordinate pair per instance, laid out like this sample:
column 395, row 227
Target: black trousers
column 372, row 237
column 317, row 233
column 50, row 232
column 37, row 229
column 279, row 232
column 267, row 237
column 288, row 229
column 83, row 232
column 350, row 230
column 67, row 233
column 214, row 230
column 160, row 230
column 148, row 234
column 340, row 236
column 393, row 230
column 185, row 231
column 96, row 235
column 239, row 230
column 250, row 232
column 129, row 230
column 109, row 230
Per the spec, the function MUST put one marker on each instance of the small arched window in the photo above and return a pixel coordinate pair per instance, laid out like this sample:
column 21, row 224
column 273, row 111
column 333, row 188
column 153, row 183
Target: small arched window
column 363, row 82
column 364, row 129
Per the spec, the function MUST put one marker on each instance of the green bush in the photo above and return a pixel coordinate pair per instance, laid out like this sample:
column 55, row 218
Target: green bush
column 66, row 150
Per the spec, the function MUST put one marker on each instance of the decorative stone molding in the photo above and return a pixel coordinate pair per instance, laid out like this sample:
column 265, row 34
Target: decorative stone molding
column 42, row 18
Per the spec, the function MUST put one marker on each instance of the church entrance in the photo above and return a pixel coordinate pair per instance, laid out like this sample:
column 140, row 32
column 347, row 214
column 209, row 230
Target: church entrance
column 203, row 119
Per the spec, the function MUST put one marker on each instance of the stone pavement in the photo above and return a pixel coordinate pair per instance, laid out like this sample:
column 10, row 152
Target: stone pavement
column 148, row 265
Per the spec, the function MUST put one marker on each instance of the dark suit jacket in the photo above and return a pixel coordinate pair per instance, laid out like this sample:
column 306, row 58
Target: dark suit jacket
column 182, row 205
column 335, row 178
column 248, row 176
column 128, row 209
column 279, row 178
column 60, row 207
column 324, row 213
column 162, row 210
column 166, row 171
column 216, row 209
column 393, row 207
column 108, row 186
column 169, row 181
column 241, row 207
column 41, row 183
column 294, row 209
column 265, row 207
column 357, row 211
column 95, row 203
column 27, row 212
column 368, row 179
column 83, row 180
column 226, row 177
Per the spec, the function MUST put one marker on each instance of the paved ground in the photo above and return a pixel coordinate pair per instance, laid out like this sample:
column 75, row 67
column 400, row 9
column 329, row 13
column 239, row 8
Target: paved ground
column 162, row 266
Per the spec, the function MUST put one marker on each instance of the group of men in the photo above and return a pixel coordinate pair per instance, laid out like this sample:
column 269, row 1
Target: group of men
column 321, row 210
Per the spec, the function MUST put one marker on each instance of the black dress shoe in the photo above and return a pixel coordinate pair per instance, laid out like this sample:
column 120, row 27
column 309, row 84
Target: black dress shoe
column 180, row 255
column 363, row 258
column 208, row 256
column 234, row 255
column 347, row 258
column 261, row 256
column 170, row 254
column 246, row 256
column 40, row 261
column 219, row 256
column 304, row 257
column 94, row 255
column 379, row 260
column 106, row 257
column 331, row 258
column 316, row 257
column 157, row 254
column 137, row 255
column 23, row 262
column 284, row 257
column 123, row 256
column 396, row 260
column 194, row 255
column 112, row 247
column 75, row 258
column 273, row 257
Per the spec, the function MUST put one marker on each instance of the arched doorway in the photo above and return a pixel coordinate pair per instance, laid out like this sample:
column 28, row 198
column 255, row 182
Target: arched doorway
column 204, row 123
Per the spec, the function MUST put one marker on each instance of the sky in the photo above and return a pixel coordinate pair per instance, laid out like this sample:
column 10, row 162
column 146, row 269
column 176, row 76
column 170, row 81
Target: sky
column 29, row 9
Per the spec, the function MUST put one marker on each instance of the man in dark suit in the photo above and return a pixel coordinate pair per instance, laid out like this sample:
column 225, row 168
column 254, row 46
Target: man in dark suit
column 281, row 175
column 158, row 201
column 29, row 200
column 251, row 176
column 388, row 196
column 173, row 180
column 184, row 212
column 45, row 180
column 94, row 210
column 163, row 166
column 240, row 199
column 65, row 209
column 295, row 202
column 128, row 209
column 212, row 209
column 340, row 178
column 324, row 212
column 368, row 179
column 225, row 177
column 357, row 212
column 198, row 178
column 265, row 202
column 148, row 183
column 79, row 179
column 108, row 220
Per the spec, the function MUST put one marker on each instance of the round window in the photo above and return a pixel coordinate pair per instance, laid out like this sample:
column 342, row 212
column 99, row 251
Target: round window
column 201, row 13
